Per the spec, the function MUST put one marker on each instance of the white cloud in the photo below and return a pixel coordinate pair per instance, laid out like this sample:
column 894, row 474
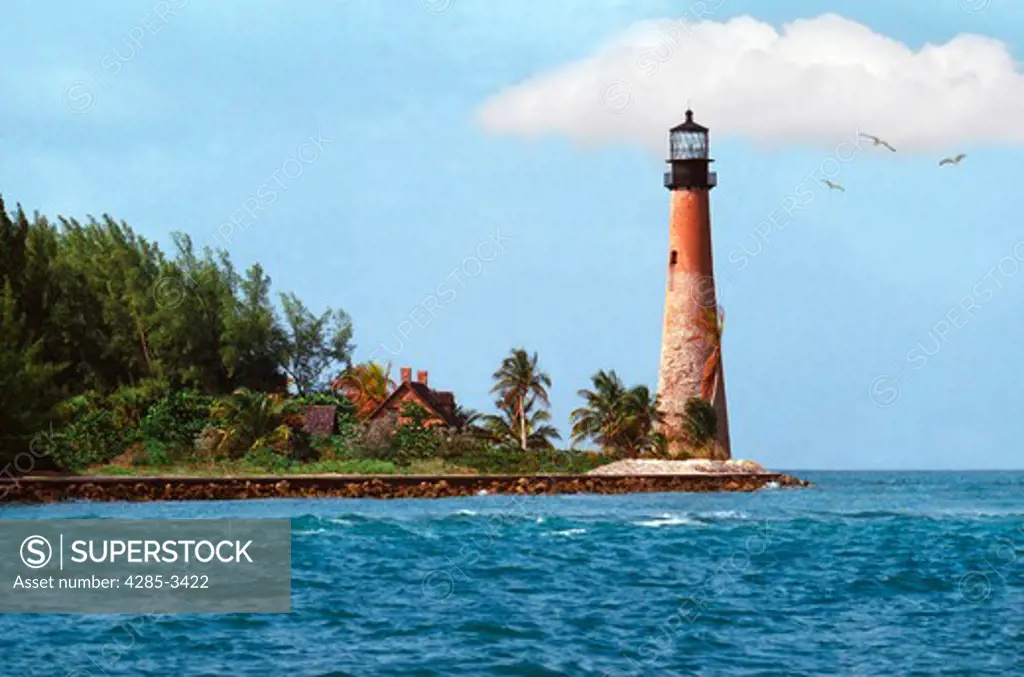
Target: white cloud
column 817, row 81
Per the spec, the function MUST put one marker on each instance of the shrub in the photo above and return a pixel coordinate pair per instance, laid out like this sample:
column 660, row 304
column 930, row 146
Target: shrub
column 413, row 440
column 209, row 445
column 339, row 401
column 177, row 418
column 247, row 420
column 267, row 459
column 374, row 440
column 129, row 404
column 453, row 444
column 154, row 453
column 90, row 438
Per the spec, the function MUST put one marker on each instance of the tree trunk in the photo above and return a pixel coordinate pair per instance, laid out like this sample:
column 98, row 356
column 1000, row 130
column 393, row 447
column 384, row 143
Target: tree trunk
column 522, row 425
column 142, row 338
column 145, row 350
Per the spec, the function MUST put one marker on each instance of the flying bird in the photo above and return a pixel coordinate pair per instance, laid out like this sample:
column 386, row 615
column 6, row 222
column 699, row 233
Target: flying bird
column 952, row 160
column 833, row 186
column 877, row 141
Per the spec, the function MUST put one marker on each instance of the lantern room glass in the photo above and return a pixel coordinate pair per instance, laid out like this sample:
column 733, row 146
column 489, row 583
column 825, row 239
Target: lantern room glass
column 688, row 145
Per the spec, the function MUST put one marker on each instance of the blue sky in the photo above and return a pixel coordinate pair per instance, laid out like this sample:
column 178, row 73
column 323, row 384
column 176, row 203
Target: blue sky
column 172, row 115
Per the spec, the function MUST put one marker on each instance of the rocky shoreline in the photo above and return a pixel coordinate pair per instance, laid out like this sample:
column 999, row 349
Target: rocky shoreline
column 29, row 490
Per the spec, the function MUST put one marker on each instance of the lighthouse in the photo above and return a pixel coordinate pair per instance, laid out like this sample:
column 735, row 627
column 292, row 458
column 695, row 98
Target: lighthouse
column 691, row 363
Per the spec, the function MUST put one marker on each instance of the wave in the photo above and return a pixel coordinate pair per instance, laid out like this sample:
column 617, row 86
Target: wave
column 668, row 520
column 726, row 515
column 569, row 532
column 310, row 532
column 432, row 525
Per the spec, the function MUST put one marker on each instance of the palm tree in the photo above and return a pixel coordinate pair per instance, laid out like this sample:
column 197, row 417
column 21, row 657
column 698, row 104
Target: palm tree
column 366, row 385
column 618, row 418
column 518, row 381
column 250, row 419
column 466, row 418
column 710, row 324
column 641, row 417
column 506, row 428
column 599, row 418
column 700, row 422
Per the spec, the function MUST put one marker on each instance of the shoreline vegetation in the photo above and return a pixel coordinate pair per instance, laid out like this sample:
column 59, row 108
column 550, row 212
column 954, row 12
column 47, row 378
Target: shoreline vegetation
column 118, row 360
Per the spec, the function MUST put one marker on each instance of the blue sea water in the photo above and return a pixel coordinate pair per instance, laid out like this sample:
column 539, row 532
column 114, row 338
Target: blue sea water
column 864, row 574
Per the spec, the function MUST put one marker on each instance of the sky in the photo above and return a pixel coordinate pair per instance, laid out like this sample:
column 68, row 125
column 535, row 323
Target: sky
column 464, row 177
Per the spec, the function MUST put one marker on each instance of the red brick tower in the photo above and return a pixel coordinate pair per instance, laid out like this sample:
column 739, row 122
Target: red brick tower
column 690, row 290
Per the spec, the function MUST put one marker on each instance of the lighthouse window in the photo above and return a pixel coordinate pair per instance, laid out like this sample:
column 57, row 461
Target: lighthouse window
column 674, row 258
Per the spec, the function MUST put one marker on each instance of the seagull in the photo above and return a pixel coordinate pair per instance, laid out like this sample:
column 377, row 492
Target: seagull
column 877, row 141
column 833, row 186
column 952, row 160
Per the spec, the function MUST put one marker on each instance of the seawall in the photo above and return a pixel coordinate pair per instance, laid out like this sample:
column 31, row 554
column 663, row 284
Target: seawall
column 55, row 489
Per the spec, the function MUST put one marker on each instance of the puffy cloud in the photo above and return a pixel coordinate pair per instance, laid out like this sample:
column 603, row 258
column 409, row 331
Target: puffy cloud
column 816, row 81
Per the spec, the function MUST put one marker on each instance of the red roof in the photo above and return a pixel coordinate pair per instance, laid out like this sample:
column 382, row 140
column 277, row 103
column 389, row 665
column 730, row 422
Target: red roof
column 440, row 404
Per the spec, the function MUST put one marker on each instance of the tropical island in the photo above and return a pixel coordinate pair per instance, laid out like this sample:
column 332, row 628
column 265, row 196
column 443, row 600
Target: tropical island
column 117, row 360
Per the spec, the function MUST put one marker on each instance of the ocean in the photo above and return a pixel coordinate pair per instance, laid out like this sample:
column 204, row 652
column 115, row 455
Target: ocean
column 878, row 573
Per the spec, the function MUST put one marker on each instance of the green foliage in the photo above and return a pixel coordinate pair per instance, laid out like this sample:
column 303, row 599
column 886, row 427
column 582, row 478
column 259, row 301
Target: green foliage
column 522, row 390
column 92, row 307
column 253, row 340
column 128, row 404
column 458, row 444
column 511, row 460
column 413, row 440
column 177, row 418
column 314, row 344
column 360, row 466
column 248, row 420
column 268, row 459
column 114, row 471
column 27, row 391
column 91, row 437
column 154, row 454
column 509, row 426
column 619, row 419
column 345, row 422
column 325, row 398
column 701, row 421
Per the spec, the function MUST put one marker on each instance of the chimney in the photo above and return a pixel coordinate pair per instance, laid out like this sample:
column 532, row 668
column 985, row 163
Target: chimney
column 421, row 376
column 406, row 374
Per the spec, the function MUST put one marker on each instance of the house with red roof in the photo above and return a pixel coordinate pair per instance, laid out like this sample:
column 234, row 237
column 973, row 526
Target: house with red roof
column 439, row 404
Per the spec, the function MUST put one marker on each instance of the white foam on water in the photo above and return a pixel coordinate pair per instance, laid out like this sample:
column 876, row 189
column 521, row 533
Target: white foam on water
column 569, row 532
column 667, row 520
column 728, row 515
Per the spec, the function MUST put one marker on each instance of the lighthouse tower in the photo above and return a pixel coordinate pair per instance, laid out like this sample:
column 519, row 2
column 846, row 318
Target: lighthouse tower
column 691, row 307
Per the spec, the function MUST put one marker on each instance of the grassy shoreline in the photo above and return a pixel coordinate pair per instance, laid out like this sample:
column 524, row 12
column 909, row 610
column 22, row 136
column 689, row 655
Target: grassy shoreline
column 494, row 463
